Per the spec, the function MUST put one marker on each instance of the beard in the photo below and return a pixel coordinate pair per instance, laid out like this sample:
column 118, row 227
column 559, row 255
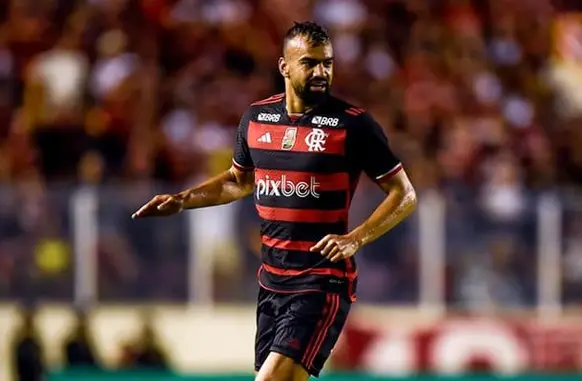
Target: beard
column 312, row 97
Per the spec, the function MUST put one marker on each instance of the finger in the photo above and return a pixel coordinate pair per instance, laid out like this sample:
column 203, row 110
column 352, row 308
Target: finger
column 333, row 252
column 147, row 209
column 167, row 204
column 144, row 211
column 337, row 257
column 331, row 244
column 321, row 244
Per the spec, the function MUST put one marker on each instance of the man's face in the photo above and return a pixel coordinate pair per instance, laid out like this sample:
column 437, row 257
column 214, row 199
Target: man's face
column 310, row 69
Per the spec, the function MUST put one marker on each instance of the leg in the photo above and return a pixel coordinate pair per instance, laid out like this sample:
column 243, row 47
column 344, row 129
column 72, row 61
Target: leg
column 307, row 328
column 265, row 327
column 278, row 367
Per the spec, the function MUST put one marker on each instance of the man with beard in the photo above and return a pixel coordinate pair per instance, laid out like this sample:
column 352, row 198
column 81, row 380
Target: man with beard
column 302, row 153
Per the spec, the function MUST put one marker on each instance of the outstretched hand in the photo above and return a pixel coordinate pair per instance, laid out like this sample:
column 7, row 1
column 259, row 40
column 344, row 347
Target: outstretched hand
column 159, row 206
column 336, row 247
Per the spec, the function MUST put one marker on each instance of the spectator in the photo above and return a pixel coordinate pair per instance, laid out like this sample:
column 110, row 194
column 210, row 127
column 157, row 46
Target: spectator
column 480, row 99
column 79, row 350
column 26, row 351
column 145, row 352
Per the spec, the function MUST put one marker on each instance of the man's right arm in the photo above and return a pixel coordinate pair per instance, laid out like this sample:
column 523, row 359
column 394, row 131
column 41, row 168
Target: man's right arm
column 229, row 186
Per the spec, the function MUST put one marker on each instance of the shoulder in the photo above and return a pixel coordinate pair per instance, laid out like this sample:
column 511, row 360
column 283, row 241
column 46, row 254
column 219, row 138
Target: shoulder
column 270, row 100
column 350, row 115
column 353, row 114
column 344, row 107
column 267, row 109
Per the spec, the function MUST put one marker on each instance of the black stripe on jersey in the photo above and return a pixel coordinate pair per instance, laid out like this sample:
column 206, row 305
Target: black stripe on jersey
column 331, row 200
column 298, row 161
column 297, row 260
column 301, row 231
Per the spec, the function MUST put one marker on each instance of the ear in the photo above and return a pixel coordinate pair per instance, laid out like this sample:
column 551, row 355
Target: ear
column 283, row 69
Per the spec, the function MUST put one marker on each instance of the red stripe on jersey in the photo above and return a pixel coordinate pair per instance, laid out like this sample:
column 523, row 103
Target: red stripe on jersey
column 272, row 99
column 287, row 244
column 302, row 215
column 321, row 182
column 296, row 138
column 354, row 111
column 338, row 273
column 390, row 173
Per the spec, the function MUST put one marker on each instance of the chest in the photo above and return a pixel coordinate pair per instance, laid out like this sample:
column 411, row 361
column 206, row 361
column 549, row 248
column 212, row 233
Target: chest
column 311, row 145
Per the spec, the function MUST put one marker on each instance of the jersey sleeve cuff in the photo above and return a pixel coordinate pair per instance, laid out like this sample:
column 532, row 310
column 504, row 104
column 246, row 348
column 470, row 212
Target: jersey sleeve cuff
column 241, row 167
column 385, row 176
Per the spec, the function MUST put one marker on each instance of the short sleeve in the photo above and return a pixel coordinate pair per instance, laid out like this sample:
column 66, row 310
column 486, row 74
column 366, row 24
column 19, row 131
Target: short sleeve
column 242, row 156
column 373, row 153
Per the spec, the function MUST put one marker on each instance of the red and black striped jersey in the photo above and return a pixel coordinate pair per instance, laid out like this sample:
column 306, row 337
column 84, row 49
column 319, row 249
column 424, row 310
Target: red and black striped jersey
column 306, row 170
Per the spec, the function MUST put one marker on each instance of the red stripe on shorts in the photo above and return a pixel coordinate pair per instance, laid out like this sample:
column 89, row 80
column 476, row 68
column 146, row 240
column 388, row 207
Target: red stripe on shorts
column 329, row 314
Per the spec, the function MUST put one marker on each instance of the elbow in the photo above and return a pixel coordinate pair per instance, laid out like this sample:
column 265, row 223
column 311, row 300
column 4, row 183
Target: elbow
column 403, row 193
column 411, row 200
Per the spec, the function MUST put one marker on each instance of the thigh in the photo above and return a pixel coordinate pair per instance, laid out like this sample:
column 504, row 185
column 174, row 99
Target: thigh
column 308, row 328
column 278, row 367
column 265, row 331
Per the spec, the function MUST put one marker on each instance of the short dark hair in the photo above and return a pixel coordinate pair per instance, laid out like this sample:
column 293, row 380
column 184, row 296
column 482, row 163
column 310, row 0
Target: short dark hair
column 313, row 32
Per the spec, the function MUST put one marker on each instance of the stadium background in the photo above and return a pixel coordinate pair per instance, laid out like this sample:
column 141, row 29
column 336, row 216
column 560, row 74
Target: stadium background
column 106, row 102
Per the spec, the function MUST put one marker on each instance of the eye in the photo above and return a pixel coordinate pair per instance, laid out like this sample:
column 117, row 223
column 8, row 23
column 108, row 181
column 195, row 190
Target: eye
column 308, row 63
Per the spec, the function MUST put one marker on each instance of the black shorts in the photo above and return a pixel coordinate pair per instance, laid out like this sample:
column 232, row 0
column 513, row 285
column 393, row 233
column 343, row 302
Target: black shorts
column 302, row 326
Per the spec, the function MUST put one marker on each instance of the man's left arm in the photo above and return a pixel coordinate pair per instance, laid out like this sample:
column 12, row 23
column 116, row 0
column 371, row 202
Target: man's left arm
column 377, row 160
column 399, row 203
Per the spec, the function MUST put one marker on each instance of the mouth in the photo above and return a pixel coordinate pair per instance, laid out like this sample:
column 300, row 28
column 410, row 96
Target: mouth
column 318, row 85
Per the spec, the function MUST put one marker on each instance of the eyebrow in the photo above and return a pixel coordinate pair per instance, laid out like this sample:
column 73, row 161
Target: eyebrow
column 311, row 59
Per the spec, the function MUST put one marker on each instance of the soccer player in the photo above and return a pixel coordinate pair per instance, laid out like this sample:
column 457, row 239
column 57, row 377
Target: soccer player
column 301, row 153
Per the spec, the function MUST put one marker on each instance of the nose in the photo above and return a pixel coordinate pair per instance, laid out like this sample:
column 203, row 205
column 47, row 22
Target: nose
column 319, row 71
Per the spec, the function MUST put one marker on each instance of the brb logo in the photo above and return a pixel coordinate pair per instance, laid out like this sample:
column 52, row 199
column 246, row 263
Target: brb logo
column 265, row 117
column 315, row 140
column 284, row 187
column 325, row 121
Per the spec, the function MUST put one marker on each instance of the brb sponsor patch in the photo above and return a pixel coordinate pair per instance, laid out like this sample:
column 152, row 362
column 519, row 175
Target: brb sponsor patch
column 325, row 121
column 266, row 117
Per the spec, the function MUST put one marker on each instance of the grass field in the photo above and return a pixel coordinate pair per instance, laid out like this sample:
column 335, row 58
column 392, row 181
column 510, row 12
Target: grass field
column 81, row 375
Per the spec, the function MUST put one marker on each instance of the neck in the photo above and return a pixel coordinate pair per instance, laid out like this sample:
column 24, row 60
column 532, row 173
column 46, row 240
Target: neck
column 293, row 103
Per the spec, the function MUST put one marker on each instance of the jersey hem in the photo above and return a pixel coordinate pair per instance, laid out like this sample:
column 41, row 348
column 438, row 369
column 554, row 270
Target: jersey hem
column 348, row 293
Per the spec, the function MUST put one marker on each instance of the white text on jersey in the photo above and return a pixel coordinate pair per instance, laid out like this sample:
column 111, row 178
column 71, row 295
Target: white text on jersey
column 325, row 121
column 283, row 187
column 266, row 117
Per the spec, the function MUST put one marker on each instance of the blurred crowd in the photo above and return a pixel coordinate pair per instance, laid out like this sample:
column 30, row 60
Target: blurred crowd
column 479, row 98
column 28, row 360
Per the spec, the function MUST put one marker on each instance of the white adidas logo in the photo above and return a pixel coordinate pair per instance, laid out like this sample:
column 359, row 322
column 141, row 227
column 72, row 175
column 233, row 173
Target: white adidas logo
column 266, row 138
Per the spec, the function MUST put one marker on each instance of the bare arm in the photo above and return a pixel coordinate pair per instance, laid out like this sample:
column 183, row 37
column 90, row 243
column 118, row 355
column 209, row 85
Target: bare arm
column 399, row 203
column 227, row 187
